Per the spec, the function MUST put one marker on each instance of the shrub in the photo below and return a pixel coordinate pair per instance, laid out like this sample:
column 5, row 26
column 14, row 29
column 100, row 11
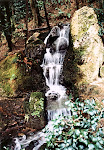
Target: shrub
column 78, row 131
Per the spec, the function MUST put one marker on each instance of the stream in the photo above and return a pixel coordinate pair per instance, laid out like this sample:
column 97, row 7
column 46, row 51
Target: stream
column 57, row 43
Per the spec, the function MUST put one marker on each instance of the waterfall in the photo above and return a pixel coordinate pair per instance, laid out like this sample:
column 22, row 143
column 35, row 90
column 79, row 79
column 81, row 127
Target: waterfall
column 52, row 69
column 56, row 45
column 53, row 62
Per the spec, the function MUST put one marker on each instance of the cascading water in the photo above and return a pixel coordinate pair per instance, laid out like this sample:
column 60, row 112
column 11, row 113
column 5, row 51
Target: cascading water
column 52, row 69
column 52, row 66
column 56, row 45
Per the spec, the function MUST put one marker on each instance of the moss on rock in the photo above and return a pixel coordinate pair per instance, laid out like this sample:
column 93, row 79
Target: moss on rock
column 34, row 109
column 86, row 53
column 12, row 75
column 87, row 45
column 36, row 104
column 22, row 71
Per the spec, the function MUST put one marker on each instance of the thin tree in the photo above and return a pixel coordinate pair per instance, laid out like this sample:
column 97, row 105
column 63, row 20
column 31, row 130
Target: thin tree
column 77, row 4
column 38, row 14
column 101, row 3
column 6, row 22
column 33, row 9
column 26, row 22
column 46, row 15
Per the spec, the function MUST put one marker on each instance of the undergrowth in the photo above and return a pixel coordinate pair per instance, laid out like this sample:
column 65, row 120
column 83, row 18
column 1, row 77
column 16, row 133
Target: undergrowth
column 80, row 130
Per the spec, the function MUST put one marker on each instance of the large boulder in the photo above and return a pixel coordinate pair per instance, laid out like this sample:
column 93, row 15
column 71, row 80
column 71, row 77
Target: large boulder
column 85, row 57
column 21, row 72
column 34, row 53
column 13, row 77
column 87, row 45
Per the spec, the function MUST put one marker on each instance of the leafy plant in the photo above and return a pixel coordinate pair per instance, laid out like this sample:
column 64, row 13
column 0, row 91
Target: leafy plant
column 13, row 77
column 100, row 16
column 77, row 131
column 101, row 31
column 68, row 15
column 6, row 148
column 60, row 12
column 20, row 26
column 36, row 112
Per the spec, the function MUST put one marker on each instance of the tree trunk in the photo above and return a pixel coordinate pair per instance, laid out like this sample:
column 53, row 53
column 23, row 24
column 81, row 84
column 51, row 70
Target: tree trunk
column 32, row 5
column 101, row 4
column 9, row 34
column 46, row 15
column 26, row 21
column 13, row 18
column 6, row 23
column 38, row 14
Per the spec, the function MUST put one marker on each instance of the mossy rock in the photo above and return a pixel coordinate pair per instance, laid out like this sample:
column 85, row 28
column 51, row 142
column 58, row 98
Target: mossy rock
column 84, row 58
column 12, row 75
column 34, row 53
column 21, row 71
column 36, row 104
column 35, row 49
column 87, row 45
column 34, row 110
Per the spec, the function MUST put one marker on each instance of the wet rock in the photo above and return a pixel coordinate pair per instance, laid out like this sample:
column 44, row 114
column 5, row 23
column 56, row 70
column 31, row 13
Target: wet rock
column 53, row 96
column 53, row 40
column 33, row 37
column 35, row 49
column 34, row 53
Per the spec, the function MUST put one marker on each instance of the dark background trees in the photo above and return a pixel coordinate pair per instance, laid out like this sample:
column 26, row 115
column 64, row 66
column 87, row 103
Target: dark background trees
column 5, row 18
column 16, row 14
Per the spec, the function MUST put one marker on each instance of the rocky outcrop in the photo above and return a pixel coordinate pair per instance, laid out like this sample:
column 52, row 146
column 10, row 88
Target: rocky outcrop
column 85, row 56
column 21, row 71
column 87, row 45
column 34, row 53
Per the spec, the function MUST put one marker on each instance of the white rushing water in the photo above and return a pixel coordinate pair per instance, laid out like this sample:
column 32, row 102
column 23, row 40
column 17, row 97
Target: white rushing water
column 53, row 63
column 52, row 69
column 56, row 95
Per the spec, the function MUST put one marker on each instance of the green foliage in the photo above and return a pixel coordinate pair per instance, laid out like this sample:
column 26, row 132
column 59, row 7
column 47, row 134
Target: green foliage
column 20, row 9
column 13, row 77
column 68, row 15
column 100, row 16
column 36, row 104
column 40, row 4
column 77, row 131
column 60, row 12
column 6, row 148
column 20, row 26
column 101, row 31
